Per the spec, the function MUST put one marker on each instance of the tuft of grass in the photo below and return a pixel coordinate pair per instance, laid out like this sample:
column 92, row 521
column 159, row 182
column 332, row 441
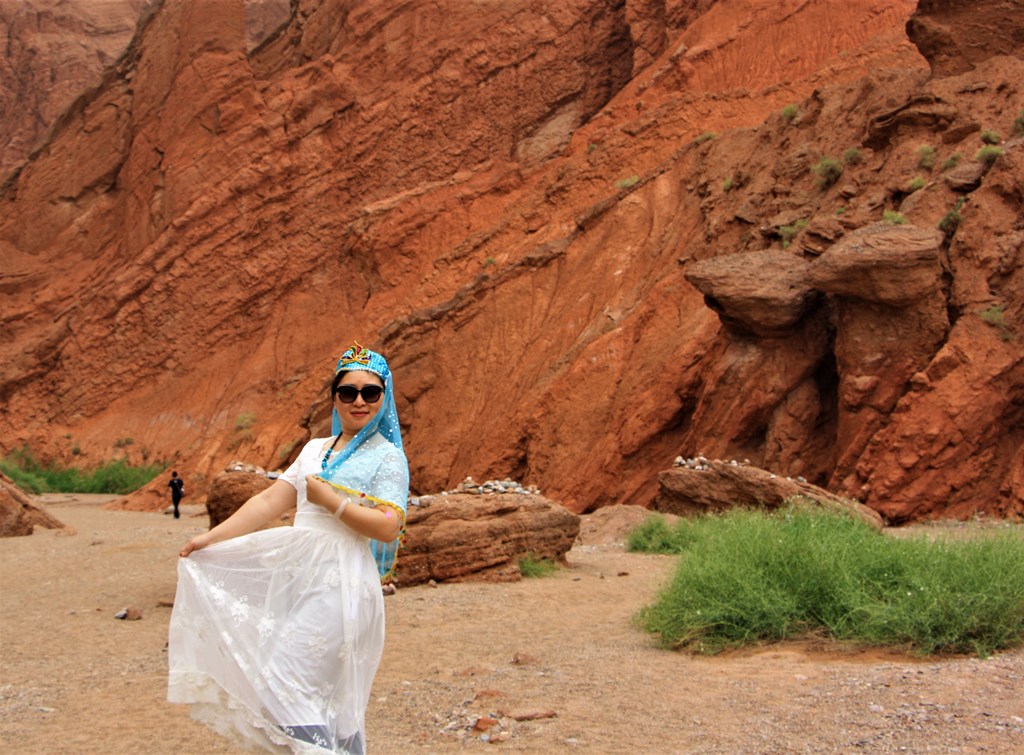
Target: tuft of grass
column 705, row 137
column 988, row 154
column 915, row 184
column 789, row 112
column 747, row 577
column 951, row 162
column 893, row 217
column 627, row 183
column 1018, row 124
column 996, row 317
column 727, row 185
column 951, row 220
column 841, row 210
column 123, row 442
column 112, row 477
column 531, row 566
column 488, row 261
column 829, row 170
column 991, row 137
column 789, row 232
column 244, row 421
column 852, row 156
column 926, row 157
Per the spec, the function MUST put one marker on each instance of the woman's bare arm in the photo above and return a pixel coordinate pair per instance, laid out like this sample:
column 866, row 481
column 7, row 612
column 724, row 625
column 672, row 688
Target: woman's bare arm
column 253, row 514
column 382, row 524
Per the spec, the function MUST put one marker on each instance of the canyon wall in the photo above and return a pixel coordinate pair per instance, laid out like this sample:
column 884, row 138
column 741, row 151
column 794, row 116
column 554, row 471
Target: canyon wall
column 589, row 236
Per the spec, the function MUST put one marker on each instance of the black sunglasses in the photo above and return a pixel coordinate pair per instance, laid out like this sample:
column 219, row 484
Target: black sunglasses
column 347, row 393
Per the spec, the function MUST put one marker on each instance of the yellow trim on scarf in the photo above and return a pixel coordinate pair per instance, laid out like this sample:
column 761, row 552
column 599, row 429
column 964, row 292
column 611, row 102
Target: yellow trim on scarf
column 362, row 498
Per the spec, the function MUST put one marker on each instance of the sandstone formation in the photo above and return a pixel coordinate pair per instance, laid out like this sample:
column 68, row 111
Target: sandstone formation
column 511, row 201
column 56, row 49
column 715, row 486
column 19, row 516
column 230, row 490
column 463, row 537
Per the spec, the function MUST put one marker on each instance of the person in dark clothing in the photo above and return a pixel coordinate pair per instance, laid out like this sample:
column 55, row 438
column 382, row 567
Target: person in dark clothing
column 177, row 486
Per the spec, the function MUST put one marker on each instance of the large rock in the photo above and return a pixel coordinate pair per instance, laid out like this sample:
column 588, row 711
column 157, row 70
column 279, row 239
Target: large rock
column 699, row 487
column 230, row 490
column 765, row 293
column 19, row 515
column 464, row 537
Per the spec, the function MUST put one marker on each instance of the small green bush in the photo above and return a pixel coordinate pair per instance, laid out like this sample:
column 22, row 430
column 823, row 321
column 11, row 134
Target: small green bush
column 829, row 170
column 789, row 112
column 705, row 137
column 926, row 157
column 991, row 137
column 627, row 183
column 989, row 154
column 123, row 442
column 951, row 220
column 915, row 184
column 893, row 217
column 112, row 477
column 951, row 162
column 727, row 185
column 852, row 156
column 244, row 421
column 1018, row 124
column 789, row 232
column 747, row 577
column 531, row 566
column 996, row 317
column 841, row 210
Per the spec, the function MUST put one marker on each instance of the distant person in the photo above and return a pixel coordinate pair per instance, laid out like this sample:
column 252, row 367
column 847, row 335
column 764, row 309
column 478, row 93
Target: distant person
column 177, row 486
column 276, row 634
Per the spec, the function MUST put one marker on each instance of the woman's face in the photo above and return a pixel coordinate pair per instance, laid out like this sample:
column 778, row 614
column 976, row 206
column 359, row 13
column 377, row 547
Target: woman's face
column 356, row 415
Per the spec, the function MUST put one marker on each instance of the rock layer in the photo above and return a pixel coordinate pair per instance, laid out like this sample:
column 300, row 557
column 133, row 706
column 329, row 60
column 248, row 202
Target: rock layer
column 506, row 199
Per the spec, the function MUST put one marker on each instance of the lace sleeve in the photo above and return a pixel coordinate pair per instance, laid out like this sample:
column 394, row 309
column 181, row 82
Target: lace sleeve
column 391, row 480
column 292, row 474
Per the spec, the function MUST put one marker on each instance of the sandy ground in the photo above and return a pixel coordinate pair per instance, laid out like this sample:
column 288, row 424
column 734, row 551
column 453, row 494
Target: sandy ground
column 559, row 652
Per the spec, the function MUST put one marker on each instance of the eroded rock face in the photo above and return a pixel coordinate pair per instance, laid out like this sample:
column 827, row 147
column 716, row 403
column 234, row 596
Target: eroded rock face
column 482, row 537
column 956, row 35
column 19, row 516
column 506, row 200
column 715, row 486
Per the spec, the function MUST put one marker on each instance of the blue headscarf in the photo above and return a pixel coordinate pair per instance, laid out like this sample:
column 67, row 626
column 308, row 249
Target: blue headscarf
column 358, row 477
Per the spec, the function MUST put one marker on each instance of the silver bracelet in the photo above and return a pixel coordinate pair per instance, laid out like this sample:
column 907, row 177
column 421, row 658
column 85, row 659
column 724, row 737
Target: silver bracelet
column 341, row 507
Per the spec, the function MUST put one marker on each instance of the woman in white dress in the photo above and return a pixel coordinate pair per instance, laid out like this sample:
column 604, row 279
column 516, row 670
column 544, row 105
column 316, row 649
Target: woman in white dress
column 276, row 634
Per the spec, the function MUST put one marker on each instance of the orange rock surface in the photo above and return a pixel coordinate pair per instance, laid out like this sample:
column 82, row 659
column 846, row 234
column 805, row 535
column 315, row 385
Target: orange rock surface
column 505, row 199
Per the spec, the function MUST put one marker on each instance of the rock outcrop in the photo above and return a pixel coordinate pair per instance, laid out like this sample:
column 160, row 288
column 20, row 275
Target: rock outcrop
column 19, row 516
column 507, row 200
column 462, row 537
column 230, row 490
column 703, row 486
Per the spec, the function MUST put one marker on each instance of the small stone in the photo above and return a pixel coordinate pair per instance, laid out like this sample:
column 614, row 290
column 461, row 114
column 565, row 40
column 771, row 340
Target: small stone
column 484, row 723
column 128, row 614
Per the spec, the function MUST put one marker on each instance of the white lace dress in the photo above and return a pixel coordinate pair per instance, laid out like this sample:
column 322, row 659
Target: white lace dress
column 276, row 636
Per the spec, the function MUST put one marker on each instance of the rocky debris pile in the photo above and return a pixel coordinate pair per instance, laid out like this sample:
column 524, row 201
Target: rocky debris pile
column 701, row 485
column 469, row 536
column 471, row 487
column 241, row 466
column 19, row 515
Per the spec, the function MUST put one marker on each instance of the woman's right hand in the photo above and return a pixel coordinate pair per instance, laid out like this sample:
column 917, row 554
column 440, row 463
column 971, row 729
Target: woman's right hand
column 197, row 543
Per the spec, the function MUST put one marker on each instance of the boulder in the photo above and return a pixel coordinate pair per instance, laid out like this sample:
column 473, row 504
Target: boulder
column 765, row 293
column 701, row 486
column 466, row 537
column 18, row 515
column 230, row 490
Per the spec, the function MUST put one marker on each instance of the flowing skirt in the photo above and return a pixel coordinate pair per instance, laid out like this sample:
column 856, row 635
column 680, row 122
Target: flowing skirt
column 276, row 636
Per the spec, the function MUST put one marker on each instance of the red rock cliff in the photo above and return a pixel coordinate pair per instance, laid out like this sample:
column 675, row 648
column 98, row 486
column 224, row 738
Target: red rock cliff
column 517, row 204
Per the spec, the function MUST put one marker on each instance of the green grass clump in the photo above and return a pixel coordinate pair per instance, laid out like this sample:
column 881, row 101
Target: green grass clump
column 627, row 183
column 915, row 184
column 747, row 577
column 705, row 137
column 1018, row 124
column 893, row 217
column 531, row 566
column 951, row 220
column 926, row 157
column 829, row 170
column 789, row 112
column 852, row 156
column 991, row 137
column 951, row 162
column 111, row 477
column 989, row 154
column 727, row 185
column 996, row 317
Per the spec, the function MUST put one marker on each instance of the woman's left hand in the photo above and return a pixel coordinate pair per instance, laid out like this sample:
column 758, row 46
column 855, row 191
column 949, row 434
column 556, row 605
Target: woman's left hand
column 320, row 493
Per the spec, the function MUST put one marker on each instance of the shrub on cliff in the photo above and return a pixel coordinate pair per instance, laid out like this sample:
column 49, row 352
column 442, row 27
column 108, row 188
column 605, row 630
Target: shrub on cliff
column 748, row 577
column 829, row 170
